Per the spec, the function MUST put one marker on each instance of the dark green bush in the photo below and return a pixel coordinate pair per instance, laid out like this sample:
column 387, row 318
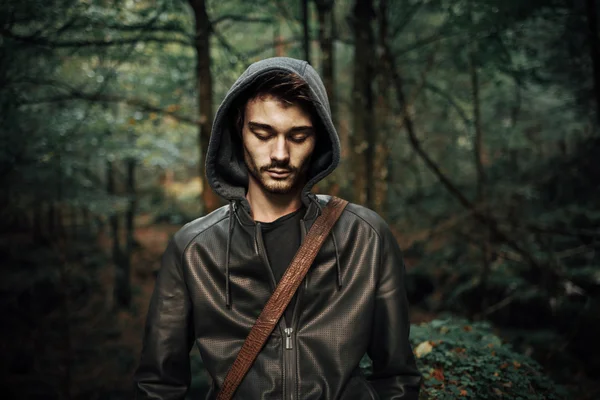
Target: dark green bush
column 466, row 360
column 461, row 359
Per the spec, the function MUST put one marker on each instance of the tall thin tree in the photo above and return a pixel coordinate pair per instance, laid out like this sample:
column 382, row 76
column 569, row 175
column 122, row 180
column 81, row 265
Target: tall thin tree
column 363, row 136
column 478, row 151
column 594, row 45
column 326, row 19
column 306, row 29
column 205, row 89
column 382, row 161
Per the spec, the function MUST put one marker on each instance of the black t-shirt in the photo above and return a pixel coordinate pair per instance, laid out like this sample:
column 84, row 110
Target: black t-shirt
column 282, row 239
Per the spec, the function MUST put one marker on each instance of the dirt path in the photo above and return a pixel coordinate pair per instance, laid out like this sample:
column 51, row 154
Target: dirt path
column 152, row 240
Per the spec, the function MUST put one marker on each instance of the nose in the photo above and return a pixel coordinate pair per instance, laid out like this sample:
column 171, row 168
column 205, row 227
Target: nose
column 280, row 151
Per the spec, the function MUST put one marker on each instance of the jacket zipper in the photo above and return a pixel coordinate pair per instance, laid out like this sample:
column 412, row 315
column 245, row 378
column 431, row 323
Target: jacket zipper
column 288, row 338
column 283, row 328
column 288, row 354
column 290, row 349
column 287, row 333
column 290, row 332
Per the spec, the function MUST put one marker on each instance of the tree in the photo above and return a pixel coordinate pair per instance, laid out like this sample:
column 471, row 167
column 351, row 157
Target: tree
column 204, row 77
column 363, row 135
column 326, row 19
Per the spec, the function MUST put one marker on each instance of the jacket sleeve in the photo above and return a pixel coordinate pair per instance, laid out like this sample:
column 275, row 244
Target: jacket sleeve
column 164, row 369
column 395, row 374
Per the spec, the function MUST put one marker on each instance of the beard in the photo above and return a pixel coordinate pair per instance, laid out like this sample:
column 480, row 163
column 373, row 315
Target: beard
column 291, row 183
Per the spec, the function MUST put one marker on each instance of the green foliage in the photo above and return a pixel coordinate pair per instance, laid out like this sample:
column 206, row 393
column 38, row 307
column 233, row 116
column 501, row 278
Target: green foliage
column 70, row 76
column 92, row 82
column 550, row 209
column 468, row 360
column 459, row 359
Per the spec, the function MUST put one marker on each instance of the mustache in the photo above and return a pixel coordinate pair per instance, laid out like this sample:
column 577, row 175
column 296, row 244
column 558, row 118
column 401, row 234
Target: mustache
column 285, row 167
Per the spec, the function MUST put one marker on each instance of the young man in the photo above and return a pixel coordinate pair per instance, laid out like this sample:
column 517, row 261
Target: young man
column 272, row 140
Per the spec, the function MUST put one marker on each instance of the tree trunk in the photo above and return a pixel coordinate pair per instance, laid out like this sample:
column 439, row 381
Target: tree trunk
column 381, row 163
column 279, row 46
column 306, row 31
column 51, row 220
column 114, row 226
column 594, row 43
column 68, row 358
column 37, row 222
column 210, row 199
column 67, row 219
column 363, row 137
column 58, row 212
column 87, row 220
column 123, row 275
column 481, row 180
column 478, row 148
column 326, row 35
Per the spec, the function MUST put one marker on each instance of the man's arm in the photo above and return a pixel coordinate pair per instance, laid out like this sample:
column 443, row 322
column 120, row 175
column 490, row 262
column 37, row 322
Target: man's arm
column 395, row 374
column 164, row 370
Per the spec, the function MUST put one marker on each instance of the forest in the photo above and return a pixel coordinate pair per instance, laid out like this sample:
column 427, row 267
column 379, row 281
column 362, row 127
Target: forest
column 470, row 126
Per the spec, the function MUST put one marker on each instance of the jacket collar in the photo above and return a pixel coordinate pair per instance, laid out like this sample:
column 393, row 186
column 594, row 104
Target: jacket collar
column 241, row 208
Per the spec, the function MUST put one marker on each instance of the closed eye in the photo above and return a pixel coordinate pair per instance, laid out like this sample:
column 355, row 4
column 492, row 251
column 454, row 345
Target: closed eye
column 298, row 139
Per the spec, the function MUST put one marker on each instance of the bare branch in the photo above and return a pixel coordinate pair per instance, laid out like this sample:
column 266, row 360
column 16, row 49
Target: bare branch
column 421, row 43
column 459, row 110
column 495, row 307
column 228, row 46
column 564, row 232
column 105, row 98
column 91, row 42
column 109, row 25
column 577, row 250
column 259, row 50
column 241, row 18
column 407, row 17
column 486, row 220
column 36, row 38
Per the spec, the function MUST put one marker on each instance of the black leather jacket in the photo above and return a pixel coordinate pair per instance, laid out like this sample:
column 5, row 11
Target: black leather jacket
column 215, row 279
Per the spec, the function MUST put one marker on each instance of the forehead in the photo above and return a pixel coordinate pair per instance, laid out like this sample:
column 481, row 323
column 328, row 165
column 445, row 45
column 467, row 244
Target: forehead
column 271, row 110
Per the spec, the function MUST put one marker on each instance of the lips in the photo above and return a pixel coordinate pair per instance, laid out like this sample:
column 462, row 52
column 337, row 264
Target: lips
column 278, row 173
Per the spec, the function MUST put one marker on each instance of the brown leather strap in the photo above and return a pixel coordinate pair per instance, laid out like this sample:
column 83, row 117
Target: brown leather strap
column 282, row 296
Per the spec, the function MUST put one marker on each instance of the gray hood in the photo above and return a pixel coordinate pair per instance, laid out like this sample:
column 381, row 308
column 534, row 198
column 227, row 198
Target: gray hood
column 225, row 168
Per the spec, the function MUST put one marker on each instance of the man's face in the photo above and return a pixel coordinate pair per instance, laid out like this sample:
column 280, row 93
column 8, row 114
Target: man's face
column 278, row 142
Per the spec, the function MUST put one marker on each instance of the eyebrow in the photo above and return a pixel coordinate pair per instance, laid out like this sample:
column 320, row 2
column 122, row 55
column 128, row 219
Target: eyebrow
column 267, row 127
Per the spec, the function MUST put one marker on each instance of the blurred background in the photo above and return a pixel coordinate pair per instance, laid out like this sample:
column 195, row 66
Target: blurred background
column 471, row 126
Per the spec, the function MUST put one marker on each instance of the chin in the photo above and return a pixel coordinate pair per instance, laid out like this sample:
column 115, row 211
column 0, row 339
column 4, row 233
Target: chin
column 278, row 187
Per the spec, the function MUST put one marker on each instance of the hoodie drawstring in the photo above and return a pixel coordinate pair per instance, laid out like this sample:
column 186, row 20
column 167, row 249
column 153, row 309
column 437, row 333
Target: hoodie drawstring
column 337, row 256
column 227, row 288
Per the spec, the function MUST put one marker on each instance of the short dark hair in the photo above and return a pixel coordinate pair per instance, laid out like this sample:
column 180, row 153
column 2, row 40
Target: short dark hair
column 287, row 87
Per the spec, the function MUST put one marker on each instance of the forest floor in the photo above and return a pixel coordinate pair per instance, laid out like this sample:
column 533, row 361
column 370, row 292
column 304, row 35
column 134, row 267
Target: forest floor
column 152, row 240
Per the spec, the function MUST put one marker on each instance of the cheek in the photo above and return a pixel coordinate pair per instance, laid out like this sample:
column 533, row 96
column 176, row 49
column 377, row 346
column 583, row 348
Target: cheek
column 256, row 152
column 302, row 154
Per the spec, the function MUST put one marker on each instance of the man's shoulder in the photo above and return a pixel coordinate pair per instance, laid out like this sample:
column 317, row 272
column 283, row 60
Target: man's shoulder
column 360, row 214
column 196, row 227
